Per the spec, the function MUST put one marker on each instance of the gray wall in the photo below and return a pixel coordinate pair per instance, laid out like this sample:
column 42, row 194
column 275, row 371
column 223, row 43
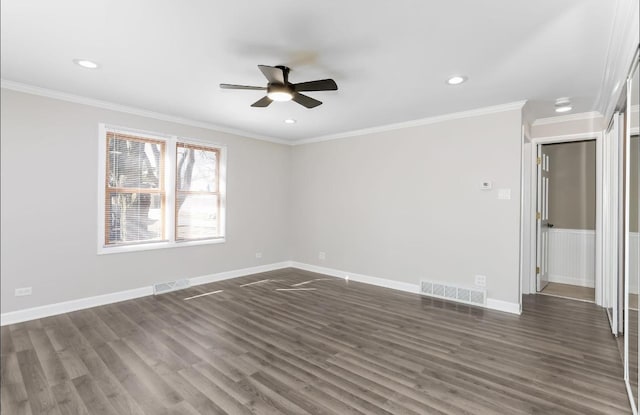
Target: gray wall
column 572, row 185
column 402, row 205
column 49, row 195
column 407, row 204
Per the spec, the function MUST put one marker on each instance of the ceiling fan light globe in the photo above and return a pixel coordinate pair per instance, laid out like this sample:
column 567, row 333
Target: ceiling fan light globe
column 280, row 96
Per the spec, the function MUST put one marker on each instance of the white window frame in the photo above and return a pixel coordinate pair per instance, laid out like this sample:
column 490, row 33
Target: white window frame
column 170, row 186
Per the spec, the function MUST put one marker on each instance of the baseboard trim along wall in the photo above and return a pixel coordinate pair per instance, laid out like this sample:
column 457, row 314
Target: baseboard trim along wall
column 49, row 310
column 493, row 304
column 98, row 300
column 72, row 305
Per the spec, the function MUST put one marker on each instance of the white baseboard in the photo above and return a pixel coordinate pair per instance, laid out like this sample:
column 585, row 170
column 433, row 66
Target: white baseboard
column 561, row 279
column 72, row 305
column 499, row 305
column 381, row 282
column 33, row 313
column 507, row 307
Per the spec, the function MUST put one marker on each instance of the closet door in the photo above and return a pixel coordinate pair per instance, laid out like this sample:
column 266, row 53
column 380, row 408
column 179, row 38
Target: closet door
column 631, row 235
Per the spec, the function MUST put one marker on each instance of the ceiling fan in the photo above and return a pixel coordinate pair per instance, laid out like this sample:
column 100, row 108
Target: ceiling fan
column 280, row 89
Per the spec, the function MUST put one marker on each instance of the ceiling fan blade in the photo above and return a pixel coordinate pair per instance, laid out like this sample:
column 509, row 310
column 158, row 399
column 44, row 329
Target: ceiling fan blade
column 306, row 101
column 273, row 75
column 320, row 85
column 262, row 102
column 231, row 86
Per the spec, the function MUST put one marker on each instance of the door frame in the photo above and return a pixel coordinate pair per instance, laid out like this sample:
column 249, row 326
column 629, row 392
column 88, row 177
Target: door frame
column 611, row 196
column 529, row 259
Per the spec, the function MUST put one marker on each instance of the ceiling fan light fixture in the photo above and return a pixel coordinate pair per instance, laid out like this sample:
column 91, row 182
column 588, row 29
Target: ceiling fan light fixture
column 280, row 95
column 290, row 121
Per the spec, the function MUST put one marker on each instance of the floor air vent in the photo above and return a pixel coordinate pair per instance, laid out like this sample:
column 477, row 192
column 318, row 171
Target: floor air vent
column 165, row 287
column 453, row 293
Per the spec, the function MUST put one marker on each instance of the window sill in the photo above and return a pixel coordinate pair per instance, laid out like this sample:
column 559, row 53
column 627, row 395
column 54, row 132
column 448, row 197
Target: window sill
column 105, row 250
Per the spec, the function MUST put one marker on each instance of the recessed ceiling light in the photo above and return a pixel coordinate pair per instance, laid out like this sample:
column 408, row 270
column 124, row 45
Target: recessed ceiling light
column 290, row 121
column 456, row 80
column 85, row 63
column 563, row 105
column 564, row 108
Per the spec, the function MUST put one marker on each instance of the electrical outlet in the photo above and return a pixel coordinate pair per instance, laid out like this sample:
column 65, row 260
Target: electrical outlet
column 322, row 256
column 481, row 280
column 20, row 292
column 258, row 254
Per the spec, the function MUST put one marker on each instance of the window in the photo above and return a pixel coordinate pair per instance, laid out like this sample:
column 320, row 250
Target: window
column 158, row 191
column 197, row 196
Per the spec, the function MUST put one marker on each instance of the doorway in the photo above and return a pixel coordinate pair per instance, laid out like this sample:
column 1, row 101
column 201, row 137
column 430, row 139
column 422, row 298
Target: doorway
column 566, row 220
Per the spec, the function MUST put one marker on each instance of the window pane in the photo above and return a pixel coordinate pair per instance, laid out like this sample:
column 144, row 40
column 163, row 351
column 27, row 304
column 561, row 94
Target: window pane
column 134, row 217
column 134, row 163
column 197, row 216
column 197, row 169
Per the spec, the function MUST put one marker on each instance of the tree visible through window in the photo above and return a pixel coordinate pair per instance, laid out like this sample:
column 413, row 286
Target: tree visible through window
column 135, row 194
column 197, row 197
column 136, row 198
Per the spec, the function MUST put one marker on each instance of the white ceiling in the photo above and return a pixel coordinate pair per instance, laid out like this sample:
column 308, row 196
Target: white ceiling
column 389, row 58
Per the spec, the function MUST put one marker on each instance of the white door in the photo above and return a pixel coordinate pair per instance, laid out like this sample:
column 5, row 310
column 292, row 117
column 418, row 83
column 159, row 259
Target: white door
column 542, row 217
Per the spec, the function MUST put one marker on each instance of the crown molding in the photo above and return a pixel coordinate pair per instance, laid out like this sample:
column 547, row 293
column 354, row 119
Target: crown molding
column 77, row 99
column 566, row 118
column 415, row 123
column 63, row 96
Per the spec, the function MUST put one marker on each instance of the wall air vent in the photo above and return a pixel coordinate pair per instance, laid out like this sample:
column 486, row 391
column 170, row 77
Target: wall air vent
column 465, row 295
column 166, row 287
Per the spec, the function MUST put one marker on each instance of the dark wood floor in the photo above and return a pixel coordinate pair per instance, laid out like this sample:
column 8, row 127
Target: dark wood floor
column 343, row 348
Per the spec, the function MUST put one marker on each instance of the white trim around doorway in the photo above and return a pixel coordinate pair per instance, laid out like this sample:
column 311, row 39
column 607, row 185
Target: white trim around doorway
column 528, row 259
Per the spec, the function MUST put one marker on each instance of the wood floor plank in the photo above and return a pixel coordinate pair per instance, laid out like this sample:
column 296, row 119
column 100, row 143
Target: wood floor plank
column 49, row 359
column 93, row 398
column 6, row 343
column 14, row 400
column 343, row 348
column 68, row 400
column 38, row 392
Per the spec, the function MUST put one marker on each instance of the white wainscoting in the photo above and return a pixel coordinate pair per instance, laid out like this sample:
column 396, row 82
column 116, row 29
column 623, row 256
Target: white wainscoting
column 572, row 256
